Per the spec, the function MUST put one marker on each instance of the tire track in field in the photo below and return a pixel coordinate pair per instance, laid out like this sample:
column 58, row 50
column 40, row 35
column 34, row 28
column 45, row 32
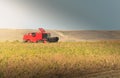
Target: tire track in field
column 104, row 74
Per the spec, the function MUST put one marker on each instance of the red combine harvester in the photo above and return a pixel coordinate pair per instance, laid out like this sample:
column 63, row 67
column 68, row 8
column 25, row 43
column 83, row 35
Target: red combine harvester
column 41, row 36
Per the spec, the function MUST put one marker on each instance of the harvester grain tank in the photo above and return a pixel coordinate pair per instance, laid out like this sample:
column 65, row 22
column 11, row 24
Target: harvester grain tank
column 41, row 36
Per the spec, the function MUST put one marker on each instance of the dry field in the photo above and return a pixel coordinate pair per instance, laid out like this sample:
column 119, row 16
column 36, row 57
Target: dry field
column 60, row 60
column 65, row 36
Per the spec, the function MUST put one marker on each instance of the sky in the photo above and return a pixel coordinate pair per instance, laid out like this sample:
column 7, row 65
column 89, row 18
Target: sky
column 60, row 14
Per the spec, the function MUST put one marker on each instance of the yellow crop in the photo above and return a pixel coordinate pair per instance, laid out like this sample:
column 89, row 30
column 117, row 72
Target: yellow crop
column 57, row 60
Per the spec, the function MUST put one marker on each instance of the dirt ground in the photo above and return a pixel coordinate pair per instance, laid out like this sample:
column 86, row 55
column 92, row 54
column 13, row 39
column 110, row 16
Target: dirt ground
column 82, row 35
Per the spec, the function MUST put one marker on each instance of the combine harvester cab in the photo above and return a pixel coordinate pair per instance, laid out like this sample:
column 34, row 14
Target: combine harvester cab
column 41, row 36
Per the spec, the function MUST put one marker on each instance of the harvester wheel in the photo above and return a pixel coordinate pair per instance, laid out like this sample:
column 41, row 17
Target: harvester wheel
column 24, row 41
column 28, row 41
column 39, row 41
